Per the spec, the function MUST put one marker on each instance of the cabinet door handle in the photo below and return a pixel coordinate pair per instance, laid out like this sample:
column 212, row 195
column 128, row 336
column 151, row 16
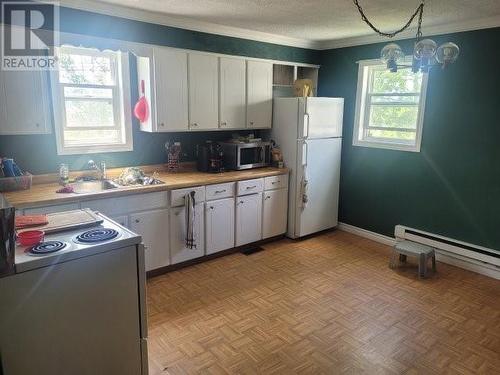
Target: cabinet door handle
column 194, row 124
column 162, row 124
column 251, row 122
column 211, row 207
column 251, row 187
column 220, row 191
column 241, row 202
column 274, row 182
column 223, row 123
column 268, row 197
column 137, row 220
column 37, row 125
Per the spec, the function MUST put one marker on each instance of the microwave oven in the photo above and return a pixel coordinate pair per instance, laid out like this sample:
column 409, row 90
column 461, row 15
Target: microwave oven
column 246, row 155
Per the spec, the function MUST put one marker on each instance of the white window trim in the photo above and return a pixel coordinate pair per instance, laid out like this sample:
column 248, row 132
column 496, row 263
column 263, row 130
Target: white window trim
column 125, row 115
column 361, row 108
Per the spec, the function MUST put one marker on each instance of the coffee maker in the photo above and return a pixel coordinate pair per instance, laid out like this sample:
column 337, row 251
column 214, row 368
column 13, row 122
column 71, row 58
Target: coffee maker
column 210, row 157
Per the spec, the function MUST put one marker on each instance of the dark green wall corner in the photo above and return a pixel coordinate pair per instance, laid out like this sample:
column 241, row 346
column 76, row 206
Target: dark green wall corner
column 452, row 187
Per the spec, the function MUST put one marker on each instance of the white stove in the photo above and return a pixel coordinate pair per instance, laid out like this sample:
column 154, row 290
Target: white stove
column 73, row 244
column 83, row 292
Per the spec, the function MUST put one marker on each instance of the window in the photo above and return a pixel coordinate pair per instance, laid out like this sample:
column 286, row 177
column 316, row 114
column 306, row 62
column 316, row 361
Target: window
column 389, row 107
column 91, row 92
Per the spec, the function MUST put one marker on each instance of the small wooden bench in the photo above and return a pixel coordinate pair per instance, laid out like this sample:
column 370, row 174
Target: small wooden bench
column 423, row 253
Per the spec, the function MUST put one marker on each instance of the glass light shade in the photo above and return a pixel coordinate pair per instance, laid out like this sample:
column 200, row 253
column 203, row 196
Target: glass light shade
column 391, row 52
column 447, row 53
column 425, row 49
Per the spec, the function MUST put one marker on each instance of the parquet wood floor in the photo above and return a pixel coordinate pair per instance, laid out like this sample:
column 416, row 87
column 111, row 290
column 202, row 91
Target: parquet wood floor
column 325, row 305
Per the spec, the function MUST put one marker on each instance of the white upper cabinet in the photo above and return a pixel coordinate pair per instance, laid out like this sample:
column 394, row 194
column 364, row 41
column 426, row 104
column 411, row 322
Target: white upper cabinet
column 259, row 94
column 192, row 91
column 203, row 73
column 24, row 103
column 170, row 67
column 165, row 78
column 232, row 93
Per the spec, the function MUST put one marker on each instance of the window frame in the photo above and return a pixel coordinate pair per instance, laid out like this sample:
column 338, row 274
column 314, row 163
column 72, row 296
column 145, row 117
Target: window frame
column 121, row 101
column 362, row 113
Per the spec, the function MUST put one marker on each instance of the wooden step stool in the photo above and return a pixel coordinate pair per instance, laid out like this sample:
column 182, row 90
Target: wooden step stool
column 421, row 252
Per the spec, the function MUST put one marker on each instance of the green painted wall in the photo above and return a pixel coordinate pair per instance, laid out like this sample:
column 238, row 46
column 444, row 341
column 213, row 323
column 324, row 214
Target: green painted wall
column 452, row 187
column 37, row 154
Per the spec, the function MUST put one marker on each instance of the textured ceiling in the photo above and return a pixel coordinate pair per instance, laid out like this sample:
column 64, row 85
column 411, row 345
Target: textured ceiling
column 317, row 20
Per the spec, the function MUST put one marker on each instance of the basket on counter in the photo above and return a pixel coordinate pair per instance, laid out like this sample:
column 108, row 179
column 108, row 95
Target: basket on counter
column 16, row 183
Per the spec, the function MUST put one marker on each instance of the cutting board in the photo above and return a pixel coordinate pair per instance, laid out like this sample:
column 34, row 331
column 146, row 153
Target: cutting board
column 68, row 220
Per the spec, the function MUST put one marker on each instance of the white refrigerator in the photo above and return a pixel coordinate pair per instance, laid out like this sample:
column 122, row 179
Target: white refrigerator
column 309, row 133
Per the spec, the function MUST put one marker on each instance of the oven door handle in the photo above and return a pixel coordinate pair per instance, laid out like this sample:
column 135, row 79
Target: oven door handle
column 141, row 264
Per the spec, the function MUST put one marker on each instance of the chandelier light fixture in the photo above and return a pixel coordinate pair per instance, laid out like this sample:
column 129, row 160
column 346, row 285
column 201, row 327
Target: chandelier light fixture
column 426, row 52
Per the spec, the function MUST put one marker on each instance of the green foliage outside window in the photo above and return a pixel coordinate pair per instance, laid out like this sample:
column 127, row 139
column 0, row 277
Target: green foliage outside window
column 393, row 102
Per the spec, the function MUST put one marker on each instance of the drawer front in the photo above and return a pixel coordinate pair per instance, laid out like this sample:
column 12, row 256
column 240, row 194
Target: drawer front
column 130, row 203
column 52, row 209
column 250, row 186
column 276, row 182
column 177, row 196
column 220, row 191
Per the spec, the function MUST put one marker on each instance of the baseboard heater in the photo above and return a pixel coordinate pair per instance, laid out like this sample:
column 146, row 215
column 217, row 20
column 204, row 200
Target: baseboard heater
column 462, row 252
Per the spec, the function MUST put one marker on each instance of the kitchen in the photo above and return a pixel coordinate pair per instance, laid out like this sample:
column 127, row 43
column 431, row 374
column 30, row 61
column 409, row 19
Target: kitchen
column 221, row 168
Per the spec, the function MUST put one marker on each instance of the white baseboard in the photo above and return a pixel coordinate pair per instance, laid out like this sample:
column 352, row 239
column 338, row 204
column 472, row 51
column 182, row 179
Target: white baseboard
column 442, row 256
column 386, row 240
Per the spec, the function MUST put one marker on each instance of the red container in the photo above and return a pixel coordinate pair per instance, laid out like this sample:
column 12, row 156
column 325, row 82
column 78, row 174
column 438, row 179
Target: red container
column 31, row 237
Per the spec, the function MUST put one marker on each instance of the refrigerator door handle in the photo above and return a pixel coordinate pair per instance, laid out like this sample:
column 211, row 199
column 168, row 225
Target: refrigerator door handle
column 305, row 152
column 306, row 125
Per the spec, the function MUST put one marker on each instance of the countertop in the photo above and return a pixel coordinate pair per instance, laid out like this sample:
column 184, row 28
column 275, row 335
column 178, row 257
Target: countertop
column 44, row 194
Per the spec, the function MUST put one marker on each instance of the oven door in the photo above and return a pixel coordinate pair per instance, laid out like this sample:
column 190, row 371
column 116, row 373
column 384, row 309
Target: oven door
column 252, row 155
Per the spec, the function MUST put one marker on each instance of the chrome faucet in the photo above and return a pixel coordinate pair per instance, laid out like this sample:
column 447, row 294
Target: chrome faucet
column 101, row 170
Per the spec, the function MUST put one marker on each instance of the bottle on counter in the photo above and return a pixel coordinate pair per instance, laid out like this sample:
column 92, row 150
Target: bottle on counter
column 63, row 174
column 173, row 156
column 104, row 174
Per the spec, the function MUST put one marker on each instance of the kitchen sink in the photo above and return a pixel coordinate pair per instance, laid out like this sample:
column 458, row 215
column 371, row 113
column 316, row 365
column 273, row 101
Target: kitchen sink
column 93, row 186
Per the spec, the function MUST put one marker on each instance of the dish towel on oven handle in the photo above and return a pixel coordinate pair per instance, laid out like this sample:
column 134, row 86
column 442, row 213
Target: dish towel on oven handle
column 190, row 218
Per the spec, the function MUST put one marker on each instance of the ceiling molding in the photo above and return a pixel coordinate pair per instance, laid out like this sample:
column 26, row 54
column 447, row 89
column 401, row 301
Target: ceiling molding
column 483, row 23
column 185, row 23
column 211, row 28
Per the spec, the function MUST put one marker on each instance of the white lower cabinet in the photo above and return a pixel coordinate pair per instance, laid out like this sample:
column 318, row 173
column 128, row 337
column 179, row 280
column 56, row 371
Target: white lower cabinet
column 178, row 250
column 219, row 225
column 248, row 219
column 153, row 227
column 274, row 212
